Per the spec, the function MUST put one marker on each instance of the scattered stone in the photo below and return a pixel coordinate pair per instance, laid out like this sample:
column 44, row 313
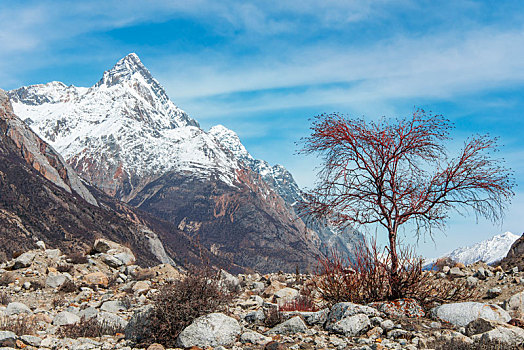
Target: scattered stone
column 31, row 340
column 65, row 318
column 55, row 280
column 113, row 306
column 456, row 272
column 351, row 326
column 494, row 292
column 16, row 308
column 406, row 307
column 24, row 260
column 155, row 346
column 8, row 339
column 210, row 330
column 478, row 326
column 97, row 278
column 285, row 295
column 251, row 337
column 460, row 314
column 292, row 326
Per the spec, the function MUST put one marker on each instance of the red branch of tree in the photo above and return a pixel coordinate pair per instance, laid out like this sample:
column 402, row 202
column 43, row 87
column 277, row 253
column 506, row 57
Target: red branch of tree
column 395, row 171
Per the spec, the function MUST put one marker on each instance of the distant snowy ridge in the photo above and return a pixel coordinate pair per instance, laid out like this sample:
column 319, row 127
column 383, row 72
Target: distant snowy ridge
column 489, row 251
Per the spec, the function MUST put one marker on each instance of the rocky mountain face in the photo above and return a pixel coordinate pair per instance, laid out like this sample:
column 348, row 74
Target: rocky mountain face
column 128, row 139
column 490, row 251
column 515, row 256
column 42, row 198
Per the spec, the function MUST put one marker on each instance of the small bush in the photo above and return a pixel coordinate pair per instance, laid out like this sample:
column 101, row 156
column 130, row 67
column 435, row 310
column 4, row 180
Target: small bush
column 20, row 325
column 68, row 287
column 272, row 317
column 179, row 302
column 77, row 258
column 302, row 303
column 58, row 301
column 368, row 278
column 7, row 278
column 4, row 298
column 89, row 328
column 64, row 267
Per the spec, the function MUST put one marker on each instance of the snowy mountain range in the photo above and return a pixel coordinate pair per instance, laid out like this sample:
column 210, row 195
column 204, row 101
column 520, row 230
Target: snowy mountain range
column 489, row 251
column 126, row 137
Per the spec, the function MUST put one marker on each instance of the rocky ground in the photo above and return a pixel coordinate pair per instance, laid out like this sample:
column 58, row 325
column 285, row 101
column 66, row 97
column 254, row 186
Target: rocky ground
column 44, row 294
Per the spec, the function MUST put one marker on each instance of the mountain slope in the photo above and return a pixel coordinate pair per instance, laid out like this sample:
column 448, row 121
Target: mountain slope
column 41, row 198
column 127, row 138
column 281, row 181
column 489, row 251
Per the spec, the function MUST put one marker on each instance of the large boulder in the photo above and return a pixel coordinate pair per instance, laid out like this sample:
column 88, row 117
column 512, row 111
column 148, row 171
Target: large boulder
column 406, row 307
column 491, row 331
column 65, row 318
column 346, row 309
column 212, row 330
column 351, row 326
column 460, row 314
column 16, row 308
column 122, row 255
column 515, row 304
column 292, row 326
column 55, row 280
column 96, row 278
column 24, row 260
column 310, row 317
column 8, row 339
column 137, row 327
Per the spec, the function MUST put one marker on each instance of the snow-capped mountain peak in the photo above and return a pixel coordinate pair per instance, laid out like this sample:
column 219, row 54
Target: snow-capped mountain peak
column 230, row 140
column 489, row 251
column 125, row 69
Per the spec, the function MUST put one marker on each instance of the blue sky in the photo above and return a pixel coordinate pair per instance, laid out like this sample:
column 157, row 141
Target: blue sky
column 263, row 69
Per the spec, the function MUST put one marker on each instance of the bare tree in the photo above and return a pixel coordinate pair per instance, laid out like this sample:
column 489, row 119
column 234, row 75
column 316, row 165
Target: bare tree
column 395, row 171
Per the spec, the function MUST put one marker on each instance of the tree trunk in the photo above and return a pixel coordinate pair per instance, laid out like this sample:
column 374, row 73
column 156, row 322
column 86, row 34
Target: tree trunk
column 394, row 277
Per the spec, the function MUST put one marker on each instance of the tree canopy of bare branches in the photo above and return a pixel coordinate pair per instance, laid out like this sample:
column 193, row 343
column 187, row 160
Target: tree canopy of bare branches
column 395, row 171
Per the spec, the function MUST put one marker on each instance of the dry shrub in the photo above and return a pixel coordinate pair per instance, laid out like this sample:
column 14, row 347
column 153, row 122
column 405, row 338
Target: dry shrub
column 368, row 278
column 20, row 325
column 5, row 298
column 68, row 287
column 180, row 302
column 272, row 317
column 58, row 300
column 7, row 278
column 89, row 328
column 64, row 267
column 302, row 303
column 77, row 258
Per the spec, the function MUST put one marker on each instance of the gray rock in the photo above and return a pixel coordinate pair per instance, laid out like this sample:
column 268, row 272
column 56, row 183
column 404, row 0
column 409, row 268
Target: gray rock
column 285, row 295
column 396, row 333
column 471, row 281
column 7, row 338
column 342, row 310
column 41, row 245
column 387, row 324
column 255, row 316
column 53, row 253
column 210, row 330
column 88, row 312
column 311, row 318
column 24, row 260
column 478, row 326
column 494, row 292
column 460, row 314
column 258, row 287
column 229, row 282
column 254, row 338
column 111, row 261
column 125, row 257
column 136, row 329
column 292, row 326
column 113, row 306
column 351, row 326
column 16, row 308
column 456, row 272
column 31, row 340
column 516, row 304
column 65, row 318
column 112, row 320
column 55, row 280
column 503, row 333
